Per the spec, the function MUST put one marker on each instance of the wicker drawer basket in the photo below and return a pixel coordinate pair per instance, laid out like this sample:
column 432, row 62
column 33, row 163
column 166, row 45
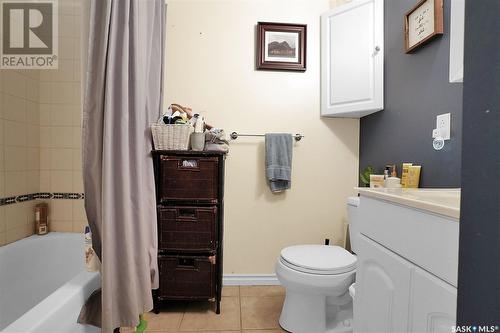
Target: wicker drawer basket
column 171, row 137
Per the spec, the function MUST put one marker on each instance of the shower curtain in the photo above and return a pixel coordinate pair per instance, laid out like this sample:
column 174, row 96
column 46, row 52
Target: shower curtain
column 122, row 97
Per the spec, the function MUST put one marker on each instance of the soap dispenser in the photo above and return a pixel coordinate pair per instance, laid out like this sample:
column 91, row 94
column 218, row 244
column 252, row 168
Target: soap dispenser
column 393, row 181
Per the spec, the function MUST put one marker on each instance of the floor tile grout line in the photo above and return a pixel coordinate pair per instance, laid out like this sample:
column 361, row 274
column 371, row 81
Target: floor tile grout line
column 241, row 312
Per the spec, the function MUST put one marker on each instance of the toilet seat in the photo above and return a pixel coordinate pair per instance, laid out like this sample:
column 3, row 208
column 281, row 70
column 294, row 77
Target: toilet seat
column 318, row 259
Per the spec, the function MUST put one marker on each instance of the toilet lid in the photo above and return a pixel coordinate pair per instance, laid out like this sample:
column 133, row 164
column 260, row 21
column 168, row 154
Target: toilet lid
column 319, row 259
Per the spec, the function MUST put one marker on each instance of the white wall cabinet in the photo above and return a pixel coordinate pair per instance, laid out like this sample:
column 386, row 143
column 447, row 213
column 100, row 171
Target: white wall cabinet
column 352, row 59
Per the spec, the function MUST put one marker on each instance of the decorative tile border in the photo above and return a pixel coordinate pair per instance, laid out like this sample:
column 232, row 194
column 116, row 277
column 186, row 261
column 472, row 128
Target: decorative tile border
column 42, row 195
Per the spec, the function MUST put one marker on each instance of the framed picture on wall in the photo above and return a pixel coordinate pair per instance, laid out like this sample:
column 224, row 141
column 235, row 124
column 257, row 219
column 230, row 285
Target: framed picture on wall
column 281, row 46
column 423, row 23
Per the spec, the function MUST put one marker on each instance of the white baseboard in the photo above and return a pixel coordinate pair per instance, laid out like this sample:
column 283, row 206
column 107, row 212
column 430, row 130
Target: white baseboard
column 250, row 280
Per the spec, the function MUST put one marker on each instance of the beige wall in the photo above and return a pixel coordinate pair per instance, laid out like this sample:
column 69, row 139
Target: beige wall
column 210, row 66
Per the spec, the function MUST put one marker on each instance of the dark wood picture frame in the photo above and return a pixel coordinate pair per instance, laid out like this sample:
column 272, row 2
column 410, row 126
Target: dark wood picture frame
column 438, row 24
column 301, row 48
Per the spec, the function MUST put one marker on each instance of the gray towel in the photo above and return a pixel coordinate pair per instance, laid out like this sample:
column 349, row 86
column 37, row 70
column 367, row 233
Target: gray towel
column 279, row 161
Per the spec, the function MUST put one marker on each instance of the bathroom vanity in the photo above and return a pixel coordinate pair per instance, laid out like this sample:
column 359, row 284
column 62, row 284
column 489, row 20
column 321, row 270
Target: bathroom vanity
column 407, row 247
column 189, row 197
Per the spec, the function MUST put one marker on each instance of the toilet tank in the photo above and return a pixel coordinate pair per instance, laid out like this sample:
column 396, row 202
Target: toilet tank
column 353, row 219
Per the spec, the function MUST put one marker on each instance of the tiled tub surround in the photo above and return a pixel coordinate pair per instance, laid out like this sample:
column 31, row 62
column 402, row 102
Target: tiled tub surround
column 66, row 214
column 40, row 136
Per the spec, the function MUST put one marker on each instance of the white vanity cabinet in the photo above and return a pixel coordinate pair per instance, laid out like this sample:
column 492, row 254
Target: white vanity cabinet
column 382, row 284
column 407, row 266
column 352, row 59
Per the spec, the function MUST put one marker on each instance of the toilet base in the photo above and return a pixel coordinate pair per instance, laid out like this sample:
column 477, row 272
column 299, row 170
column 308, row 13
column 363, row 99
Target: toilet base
column 311, row 314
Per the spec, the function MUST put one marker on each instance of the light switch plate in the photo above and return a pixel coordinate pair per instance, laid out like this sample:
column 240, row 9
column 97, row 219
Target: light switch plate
column 443, row 125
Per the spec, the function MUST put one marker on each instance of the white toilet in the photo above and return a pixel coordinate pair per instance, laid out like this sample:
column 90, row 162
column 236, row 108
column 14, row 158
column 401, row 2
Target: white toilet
column 317, row 279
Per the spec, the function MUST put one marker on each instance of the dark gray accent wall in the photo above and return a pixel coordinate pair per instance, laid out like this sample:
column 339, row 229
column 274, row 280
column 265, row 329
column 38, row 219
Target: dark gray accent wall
column 479, row 254
column 416, row 91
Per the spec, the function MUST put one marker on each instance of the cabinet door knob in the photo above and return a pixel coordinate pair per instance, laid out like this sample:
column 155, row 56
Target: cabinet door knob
column 377, row 49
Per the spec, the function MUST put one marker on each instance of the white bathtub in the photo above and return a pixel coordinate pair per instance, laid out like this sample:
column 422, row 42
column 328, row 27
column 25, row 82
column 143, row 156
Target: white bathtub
column 43, row 285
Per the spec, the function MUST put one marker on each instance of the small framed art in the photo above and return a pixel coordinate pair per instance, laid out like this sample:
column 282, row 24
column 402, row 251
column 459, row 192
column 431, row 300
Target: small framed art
column 281, row 46
column 423, row 23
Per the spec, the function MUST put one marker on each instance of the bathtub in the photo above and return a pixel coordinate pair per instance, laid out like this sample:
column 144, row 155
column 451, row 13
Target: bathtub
column 43, row 285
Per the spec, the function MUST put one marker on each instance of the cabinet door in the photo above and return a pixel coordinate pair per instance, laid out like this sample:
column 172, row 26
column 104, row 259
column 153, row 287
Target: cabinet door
column 352, row 59
column 433, row 305
column 382, row 289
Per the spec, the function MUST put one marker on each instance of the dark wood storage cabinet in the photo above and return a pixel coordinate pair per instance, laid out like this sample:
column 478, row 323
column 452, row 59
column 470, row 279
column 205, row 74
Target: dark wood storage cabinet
column 189, row 197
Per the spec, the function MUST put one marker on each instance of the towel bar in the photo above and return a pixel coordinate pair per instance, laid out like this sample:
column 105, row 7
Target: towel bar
column 235, row 135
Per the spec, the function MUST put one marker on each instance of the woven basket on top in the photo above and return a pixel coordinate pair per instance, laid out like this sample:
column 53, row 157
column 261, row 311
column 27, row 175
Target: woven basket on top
column 171, row 137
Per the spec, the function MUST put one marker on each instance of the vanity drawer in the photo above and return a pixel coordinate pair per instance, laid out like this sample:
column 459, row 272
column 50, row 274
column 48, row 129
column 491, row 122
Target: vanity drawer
column 183, row 228
column 187, row 277
column 188, row 178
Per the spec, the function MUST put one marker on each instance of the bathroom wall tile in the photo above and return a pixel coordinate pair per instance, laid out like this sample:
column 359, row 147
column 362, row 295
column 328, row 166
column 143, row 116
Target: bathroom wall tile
column 2, row 184
column 45, row 88
column 79, row 210
column 62, row 93
column 13, row 83
column 66, row 48
column 61, row 115
column 65, row 71
column 61, row 209
column 2, row 158
column 77, row 159
column 77, row 94
column 15, row 216
column 33, row 181
column 15, row 183
column 32, row 135
column 2, row 131
column 16, row 234
column 77, row 137
column 79, row 226
column 61, row 137
column 66, row 7
column 3, row 240
column 77, row 116
column 61, row 181
column 33, row 159
column 32, row 90
column 77, row 75
column 14, row 133
column 77, row 53
column 61, row 159
column 61, row 226
column 33, row 113
column 15, row 158
column 77, row 182
column 1, row 102
column 14, row 108
column 45, row 161
column 44, row 181
column 2, row 219
column 66, row 25
column 45, row 113
column 45, row 136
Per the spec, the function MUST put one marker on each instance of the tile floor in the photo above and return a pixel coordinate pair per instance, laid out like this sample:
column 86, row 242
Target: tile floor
column 244, row 309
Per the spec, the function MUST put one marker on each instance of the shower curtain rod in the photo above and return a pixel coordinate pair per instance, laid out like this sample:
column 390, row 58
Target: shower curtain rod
column 235, row 135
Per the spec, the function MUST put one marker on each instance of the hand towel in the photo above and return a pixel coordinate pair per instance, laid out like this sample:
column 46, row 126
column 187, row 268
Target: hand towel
column 279, row 161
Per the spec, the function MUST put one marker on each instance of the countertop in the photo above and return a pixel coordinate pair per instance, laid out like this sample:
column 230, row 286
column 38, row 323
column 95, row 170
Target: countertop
column 440, row 201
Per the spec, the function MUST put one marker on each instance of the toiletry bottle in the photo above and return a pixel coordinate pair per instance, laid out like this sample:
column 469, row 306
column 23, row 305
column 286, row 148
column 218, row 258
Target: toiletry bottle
column 393, row 181
column 404, row 174
column 41, row 219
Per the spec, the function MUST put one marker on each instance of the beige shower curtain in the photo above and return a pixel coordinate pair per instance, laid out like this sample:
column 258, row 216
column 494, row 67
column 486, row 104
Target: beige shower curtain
column 122, row 97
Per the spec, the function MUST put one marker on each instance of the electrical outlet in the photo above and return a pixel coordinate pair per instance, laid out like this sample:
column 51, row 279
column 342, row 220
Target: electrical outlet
column 443, row 125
